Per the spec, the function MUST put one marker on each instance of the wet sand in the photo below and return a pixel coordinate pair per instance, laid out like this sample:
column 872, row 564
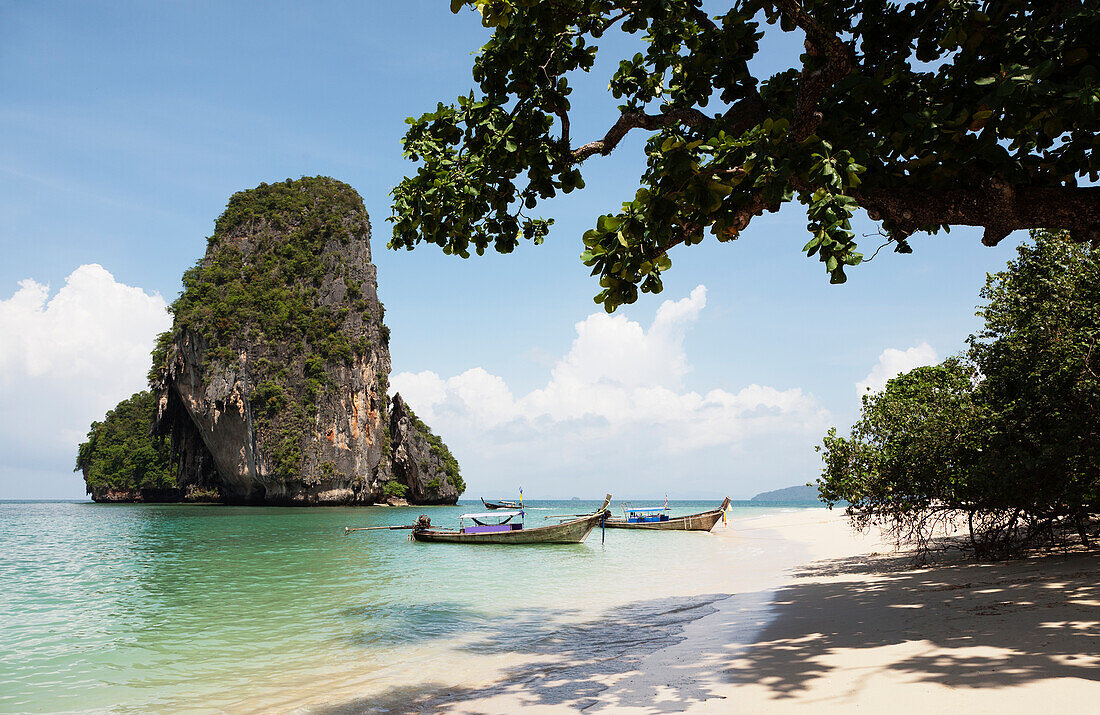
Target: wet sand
column 826, row 619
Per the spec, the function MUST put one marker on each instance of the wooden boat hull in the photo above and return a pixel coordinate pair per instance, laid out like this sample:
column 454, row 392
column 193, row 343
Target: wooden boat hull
column 703, row 521
column 568, row 532
column 500, row 505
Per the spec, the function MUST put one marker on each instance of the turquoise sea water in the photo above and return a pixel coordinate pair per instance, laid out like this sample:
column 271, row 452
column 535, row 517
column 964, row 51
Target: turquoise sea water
column 137, row 607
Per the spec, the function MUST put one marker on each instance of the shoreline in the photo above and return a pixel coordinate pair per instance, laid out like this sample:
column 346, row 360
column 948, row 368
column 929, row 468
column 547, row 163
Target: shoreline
column 621, row 653
column 835, row 620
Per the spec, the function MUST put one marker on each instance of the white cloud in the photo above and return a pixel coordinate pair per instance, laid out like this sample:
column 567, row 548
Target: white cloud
column 892, row 362
column 65, row 360
column 614, row 401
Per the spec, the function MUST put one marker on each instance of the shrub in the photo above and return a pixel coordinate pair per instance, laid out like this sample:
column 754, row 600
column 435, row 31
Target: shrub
column 1005, row 441
column 395, row 489
column 120, row 452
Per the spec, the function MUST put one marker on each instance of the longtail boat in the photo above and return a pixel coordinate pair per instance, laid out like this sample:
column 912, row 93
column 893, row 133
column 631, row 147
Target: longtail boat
column 501, row 504
column 510, row 530
column 656, row 518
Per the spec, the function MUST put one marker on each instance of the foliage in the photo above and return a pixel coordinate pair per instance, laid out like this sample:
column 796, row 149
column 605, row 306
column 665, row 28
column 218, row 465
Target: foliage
column 273, row 293
column 924, row 114
column 197, row 494
column 395, row 489
column 911, row 452
column 269, row 397
column 387, row 447
column 121, row 453
column 266, row 284
column 441, row 452
column 1039, row 356
column 1006, row 440
column 159, row 356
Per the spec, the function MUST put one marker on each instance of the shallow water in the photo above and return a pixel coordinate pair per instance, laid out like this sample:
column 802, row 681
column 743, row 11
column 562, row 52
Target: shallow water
column 132, row 607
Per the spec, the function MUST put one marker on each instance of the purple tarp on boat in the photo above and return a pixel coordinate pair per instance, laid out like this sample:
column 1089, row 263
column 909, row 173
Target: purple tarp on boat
column 491, row 528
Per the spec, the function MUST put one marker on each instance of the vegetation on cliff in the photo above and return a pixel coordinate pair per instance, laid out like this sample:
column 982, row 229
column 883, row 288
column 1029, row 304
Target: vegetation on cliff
column 272, row 382
column 121, row 454
column 926, row 115
column 272, row 294
column 260, row 284
column 1003, row 441
column 440, row 451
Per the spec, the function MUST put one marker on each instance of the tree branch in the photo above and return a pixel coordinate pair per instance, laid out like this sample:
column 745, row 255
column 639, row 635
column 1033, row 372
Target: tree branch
column 741, row 117
column 755, row 206
column 638, row 120
column 994, row 204
column 813, row 84
column 702, row 19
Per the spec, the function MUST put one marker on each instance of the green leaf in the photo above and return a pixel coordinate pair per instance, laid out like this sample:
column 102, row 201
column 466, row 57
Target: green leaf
column 607, row 223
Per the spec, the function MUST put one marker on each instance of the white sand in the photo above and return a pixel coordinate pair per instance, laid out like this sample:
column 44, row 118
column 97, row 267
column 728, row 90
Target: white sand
column 842, row 623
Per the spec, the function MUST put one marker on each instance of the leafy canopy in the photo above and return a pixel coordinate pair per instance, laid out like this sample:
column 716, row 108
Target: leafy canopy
column 265, row 263
column 926, row 114
column 122, row 454
column 1007, row 437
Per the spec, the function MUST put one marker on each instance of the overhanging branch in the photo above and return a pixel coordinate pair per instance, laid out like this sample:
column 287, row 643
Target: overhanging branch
column 993, row 204
column 741, row 117
column 755, row 206
column 638, row 120
column 813, row 83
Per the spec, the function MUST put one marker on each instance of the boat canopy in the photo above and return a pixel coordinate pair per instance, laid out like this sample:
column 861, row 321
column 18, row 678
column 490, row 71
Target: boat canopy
column 486, row 514
column 654, row 508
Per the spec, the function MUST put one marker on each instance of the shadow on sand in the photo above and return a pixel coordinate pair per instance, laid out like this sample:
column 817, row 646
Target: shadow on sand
column 1041, row 615
column 582, row 656
column 987, row 625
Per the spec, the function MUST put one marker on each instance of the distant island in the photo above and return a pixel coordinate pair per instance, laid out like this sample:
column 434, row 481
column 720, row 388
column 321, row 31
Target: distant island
column 272, row 385
column 800, row 493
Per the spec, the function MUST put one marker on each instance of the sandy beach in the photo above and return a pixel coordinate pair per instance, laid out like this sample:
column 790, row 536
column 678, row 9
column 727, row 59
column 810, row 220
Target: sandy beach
column 832, row 620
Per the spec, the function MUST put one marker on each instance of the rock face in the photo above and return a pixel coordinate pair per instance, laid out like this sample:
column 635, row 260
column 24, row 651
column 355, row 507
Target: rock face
column 272, row 382
column 421, row 460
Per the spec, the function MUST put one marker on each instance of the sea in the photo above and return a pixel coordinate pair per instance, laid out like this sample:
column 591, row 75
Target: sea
column 138, row 607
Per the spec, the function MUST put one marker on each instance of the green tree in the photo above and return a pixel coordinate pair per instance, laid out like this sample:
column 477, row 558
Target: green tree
column 1040, row 360
column 926, row 114
column 908, row 464
column 1006, row 441
column 121, row 452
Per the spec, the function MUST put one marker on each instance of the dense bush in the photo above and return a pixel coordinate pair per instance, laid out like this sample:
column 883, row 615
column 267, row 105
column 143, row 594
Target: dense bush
column 270, row 291
column 1005, row 441
column 395, row 489
column 122, row 454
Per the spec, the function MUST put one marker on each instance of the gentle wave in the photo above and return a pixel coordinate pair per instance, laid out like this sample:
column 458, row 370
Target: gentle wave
column 131, row 607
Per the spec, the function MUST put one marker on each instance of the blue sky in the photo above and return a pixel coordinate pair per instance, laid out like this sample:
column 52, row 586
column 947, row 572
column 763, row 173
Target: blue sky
column 125, row 127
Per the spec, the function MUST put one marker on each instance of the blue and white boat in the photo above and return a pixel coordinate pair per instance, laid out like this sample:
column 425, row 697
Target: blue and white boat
column 658, row 518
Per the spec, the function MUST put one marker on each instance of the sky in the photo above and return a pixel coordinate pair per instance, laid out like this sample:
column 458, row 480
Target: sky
column 126, row 126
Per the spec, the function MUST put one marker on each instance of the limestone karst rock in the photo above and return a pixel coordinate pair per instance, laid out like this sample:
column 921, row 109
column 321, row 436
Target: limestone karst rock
column 421, row 460
column 272, row 383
